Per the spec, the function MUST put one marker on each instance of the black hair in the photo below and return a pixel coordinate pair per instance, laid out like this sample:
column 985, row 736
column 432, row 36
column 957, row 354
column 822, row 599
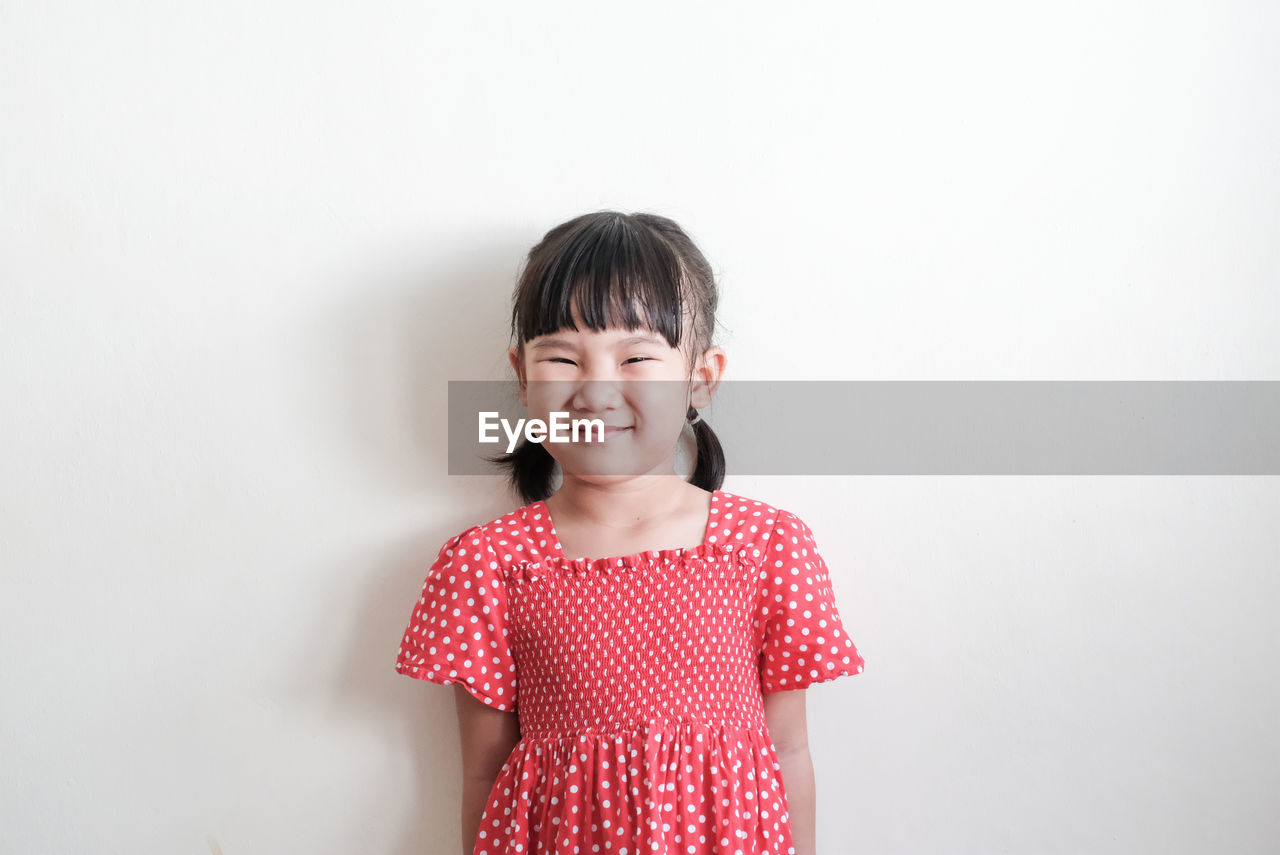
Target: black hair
column 604, row 265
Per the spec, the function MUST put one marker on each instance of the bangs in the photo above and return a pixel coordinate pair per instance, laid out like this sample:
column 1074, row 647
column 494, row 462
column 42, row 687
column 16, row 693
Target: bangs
column 614, row 273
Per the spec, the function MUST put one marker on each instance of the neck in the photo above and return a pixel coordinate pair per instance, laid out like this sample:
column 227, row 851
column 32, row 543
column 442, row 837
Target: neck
column 635, row 503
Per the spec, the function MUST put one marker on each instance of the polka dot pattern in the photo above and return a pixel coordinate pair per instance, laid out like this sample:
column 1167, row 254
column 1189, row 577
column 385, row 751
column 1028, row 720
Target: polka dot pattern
column 638, row 680
column 804, row 641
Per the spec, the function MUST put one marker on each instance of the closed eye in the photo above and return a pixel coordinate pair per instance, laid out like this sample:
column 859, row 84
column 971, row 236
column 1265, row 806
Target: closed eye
column 570, row 361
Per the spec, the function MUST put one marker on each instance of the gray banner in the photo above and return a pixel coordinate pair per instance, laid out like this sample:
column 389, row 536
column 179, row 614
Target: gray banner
column 942, row 427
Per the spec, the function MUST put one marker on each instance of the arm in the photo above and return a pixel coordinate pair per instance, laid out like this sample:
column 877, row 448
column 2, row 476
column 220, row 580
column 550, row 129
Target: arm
column 785, row 715
column 487, row 737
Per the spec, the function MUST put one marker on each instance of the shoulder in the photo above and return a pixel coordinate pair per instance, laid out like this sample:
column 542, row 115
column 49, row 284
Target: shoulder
column 757, row 524
column 518, row 536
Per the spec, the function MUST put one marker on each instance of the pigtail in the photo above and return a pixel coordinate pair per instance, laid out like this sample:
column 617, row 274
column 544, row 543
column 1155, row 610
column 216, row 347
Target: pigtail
column 530, row 470
column 708, row 470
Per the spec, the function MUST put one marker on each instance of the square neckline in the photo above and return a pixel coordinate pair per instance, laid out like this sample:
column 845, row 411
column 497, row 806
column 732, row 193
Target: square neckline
column 558, row 550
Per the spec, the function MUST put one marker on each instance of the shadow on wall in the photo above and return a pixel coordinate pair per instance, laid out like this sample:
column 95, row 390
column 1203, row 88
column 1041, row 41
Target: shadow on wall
column 387, row 359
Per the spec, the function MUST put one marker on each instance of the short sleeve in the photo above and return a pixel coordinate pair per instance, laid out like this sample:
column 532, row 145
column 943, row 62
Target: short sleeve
column 458, row 630
column 803, row 640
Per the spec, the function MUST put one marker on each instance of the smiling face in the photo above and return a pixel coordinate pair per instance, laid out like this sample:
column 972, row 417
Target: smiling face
column 632, row 380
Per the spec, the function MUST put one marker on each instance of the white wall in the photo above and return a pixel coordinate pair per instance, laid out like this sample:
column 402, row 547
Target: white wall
column 243, row 246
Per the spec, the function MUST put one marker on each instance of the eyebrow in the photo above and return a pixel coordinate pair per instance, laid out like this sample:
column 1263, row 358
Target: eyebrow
column 556, row 341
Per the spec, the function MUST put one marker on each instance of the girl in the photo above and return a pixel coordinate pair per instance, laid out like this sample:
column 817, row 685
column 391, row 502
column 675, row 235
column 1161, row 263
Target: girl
column 629, row 651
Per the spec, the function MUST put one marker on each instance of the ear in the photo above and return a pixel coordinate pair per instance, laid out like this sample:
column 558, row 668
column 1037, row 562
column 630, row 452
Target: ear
column 517, row 362
column 706, row 376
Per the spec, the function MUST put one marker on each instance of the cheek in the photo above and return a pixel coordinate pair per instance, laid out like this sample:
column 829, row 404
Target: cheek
column 663, row 403
column 548, row 393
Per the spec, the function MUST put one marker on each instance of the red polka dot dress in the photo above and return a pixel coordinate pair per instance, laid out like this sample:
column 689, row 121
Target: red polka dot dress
column 638, row 680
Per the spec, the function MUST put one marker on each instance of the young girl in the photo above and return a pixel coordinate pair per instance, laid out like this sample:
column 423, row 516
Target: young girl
column 630, row 652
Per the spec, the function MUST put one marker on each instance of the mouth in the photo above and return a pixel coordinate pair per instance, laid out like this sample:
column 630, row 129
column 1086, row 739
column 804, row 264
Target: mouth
column 611, row 431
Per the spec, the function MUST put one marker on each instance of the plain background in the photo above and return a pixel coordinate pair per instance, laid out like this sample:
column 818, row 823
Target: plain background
column 244, row 246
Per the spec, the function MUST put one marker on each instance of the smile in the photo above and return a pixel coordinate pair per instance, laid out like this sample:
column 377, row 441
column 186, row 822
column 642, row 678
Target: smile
column 614, row 431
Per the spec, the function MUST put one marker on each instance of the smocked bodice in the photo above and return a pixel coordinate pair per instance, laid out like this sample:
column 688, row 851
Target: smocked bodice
column 606, row 647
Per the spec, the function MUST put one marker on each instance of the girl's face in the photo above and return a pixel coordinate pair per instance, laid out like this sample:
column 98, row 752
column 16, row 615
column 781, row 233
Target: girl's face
column 632, row 380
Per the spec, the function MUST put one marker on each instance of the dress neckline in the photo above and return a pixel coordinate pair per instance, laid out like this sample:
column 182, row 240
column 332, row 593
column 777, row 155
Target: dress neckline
column 706, row 546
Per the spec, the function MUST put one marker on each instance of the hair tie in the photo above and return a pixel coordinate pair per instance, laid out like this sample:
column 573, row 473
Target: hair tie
column 697, row 417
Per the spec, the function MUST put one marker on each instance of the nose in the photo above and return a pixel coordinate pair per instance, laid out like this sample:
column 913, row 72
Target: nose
column 596, row 395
